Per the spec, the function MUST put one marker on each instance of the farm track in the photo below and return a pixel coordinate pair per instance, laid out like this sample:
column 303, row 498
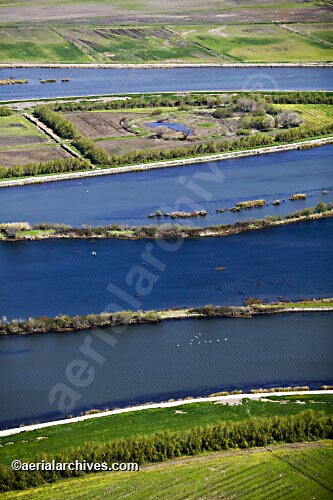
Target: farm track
column 230, row 399
column 212, row 52
column 81, row 46
column 51, row 134
column 304, row 35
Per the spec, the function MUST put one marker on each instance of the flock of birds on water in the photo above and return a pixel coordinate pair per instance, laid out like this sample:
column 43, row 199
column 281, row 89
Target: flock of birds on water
column 197, row 340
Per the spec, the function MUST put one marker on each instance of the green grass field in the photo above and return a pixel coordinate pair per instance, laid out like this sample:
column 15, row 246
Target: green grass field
column 101, row 430
column 319, row 31
column 37, row 45
column 16, row 131
column 149, row 44
column 17, row 126
column 290, row 472
column 257, row 43
column 312, row 114
column 136, row 45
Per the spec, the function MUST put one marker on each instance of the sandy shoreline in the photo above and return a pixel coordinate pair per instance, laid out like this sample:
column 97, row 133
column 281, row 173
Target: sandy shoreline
column 230, row 399
column 168, row 65
column 171, row 163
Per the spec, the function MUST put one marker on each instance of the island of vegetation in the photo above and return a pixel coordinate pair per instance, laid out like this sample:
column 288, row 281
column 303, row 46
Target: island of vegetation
column 252, row 307
column 16, row 231
column 95, row 135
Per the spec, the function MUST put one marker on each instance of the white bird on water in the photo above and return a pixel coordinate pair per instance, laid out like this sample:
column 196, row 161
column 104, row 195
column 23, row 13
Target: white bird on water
column 94, row 253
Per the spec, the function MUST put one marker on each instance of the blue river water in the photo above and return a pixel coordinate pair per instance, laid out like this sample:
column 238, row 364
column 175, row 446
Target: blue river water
column 62, row 276
column 129, row 198
column 112, row 81
column 173, row 359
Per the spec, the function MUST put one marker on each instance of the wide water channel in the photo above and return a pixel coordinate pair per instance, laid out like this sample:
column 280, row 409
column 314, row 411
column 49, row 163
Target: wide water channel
column 98, row 81
column 63, row 276
column 173, row 359
column 129, row 198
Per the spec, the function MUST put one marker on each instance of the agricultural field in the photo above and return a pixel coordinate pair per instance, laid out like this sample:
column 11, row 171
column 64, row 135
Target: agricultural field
column 312, row 114
column 104, row 124
column 159, row 12
column 321, row 32
column 15, row 130
column 297, row 471
column 136, row 45
column 257, row 43
column 40, row 44
column 22, row 156
column 106, row 127
column 101, row 430
column 21, row 142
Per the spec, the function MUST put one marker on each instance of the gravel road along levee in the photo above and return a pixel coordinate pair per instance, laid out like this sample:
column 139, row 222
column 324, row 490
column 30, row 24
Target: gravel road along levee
column 166, row 164
column 230, row 399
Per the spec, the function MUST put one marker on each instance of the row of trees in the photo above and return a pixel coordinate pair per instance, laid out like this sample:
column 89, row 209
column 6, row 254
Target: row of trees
column 210, row 147
column 46, row 167
column 89, row 149
column 303, row 132
column 305, row 426
column 206, row 100
column 301, row 98
column 56, row 121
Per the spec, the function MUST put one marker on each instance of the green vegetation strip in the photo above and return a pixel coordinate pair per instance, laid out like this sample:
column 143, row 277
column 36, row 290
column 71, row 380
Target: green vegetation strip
column 27, row 445
column 15, row 231
column 288, row 472
column 65, row 323
column 307, row 425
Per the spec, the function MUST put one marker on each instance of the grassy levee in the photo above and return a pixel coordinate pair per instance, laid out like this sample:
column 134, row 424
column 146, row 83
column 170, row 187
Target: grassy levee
column 27, row 445
column 288, row 472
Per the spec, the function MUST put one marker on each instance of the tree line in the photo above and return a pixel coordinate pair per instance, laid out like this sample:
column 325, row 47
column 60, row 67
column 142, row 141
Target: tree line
column 56, row 121
column 256, row 431
column 45, row 167
column 207, row 100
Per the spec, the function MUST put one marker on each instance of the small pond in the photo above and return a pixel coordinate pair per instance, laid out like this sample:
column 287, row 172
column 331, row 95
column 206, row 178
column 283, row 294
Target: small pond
column 179, row 127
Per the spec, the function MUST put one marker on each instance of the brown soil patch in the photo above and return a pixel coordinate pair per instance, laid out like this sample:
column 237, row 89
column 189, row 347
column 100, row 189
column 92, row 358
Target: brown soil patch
column 101, row 124
column 9, row 141
column 11, row 157
column 139, row 143
column 157, row 12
